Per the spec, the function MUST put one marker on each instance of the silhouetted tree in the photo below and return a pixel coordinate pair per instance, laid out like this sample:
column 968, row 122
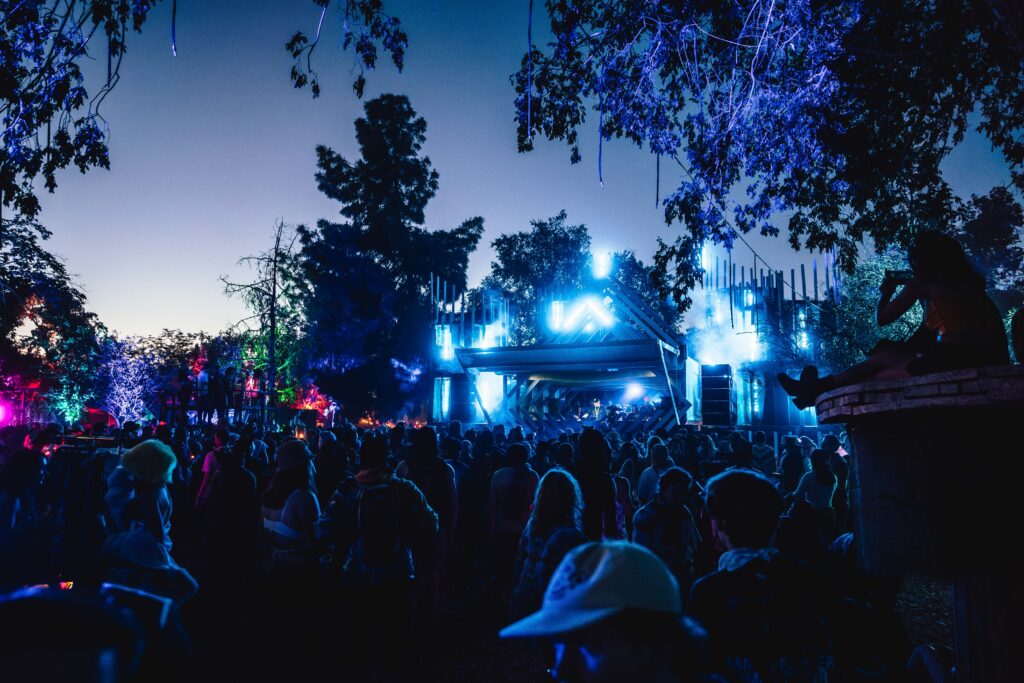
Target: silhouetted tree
column 366, row 280
column 992, row 234
column 46, row 333
column 271, row 332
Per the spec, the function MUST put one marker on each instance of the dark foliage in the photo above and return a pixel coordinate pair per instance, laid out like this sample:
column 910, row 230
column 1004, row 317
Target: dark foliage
column 366, row 297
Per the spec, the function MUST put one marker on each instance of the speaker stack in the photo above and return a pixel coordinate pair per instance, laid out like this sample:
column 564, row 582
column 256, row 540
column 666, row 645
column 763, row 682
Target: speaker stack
column 718, row 398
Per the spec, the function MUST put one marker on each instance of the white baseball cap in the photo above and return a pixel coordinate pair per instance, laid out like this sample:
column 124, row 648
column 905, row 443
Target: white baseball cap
column 596, row 581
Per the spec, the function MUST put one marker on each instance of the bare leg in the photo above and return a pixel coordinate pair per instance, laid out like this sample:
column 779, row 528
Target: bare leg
column 889, row 363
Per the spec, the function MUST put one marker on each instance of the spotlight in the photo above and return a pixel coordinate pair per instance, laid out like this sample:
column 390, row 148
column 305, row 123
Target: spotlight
column 602, row 264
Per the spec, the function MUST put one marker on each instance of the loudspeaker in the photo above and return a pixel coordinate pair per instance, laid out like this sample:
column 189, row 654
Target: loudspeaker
column 718, row 397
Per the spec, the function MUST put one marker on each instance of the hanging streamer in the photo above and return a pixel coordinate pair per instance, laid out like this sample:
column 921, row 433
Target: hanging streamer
column 174, row 22
column 529, row 74
column 109, row 62
column 600, row 130
column 657, row 181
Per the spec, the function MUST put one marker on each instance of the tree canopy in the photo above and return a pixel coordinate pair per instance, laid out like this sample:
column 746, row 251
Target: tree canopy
column 830, row 117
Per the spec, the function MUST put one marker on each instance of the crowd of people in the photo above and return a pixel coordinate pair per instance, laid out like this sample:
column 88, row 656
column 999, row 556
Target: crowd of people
column 198, row 551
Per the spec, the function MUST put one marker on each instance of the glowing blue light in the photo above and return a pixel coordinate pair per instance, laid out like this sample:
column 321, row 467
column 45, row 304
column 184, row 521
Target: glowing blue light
column 492, row 335
column 443, row 340
column 802, row 341
column 634, row 390
column 601, row 264
column 490, row 387
column 587, row 311
column 442, row 398
column 749, row 298
column 557, row 315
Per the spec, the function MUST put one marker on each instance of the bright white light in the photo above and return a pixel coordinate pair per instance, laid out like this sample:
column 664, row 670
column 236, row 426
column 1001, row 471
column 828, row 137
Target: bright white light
column 592, row 311
column 803, row 342
column 490, row 387
column 602, row 264
column 557, row 314
column 749, row 298
column 634, row 390
column 705, row 257
column 443, row 340
column 492, row 334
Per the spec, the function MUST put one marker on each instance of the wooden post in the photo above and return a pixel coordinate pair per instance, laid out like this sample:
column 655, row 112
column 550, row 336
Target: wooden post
column 780, row 293
column 792, row 288
column 828, row 288
column 814, row 277
column 732, row 277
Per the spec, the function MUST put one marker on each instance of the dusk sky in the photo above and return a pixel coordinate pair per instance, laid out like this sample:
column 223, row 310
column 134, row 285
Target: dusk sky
column 208, row 149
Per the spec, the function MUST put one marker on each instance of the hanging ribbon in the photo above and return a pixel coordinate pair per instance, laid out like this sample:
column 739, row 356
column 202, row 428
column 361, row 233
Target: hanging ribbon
column 657, row 181
column 600, row 130
column 529, row 74
column 174, row 22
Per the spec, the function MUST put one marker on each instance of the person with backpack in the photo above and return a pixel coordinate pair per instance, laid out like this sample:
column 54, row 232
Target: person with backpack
column 513, row 488
column 378, row 529
column 436, row 479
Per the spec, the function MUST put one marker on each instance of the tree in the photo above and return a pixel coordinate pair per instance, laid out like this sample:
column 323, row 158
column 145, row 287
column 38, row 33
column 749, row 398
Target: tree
column 46, row 333
column 273, row 299
column 365, row 292
column 991, row 233
column 634, row 276
column 833, row 116
column 550, row 256
column 129, row 380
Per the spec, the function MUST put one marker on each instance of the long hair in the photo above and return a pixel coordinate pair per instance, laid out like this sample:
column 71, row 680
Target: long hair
column 821, row 467
column 558, row 502
column 286, row 482
column 939, row 258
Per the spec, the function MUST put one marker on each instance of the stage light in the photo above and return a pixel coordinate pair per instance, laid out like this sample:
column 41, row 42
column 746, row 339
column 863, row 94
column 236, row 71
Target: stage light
column 492, row 335
column 590, row 311
column 557, row 315
column 634, row 390
column 601, row 264
column 490, row 388
column 443, row 340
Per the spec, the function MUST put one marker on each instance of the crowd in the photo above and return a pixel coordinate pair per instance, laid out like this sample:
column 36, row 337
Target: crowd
column 203, row 551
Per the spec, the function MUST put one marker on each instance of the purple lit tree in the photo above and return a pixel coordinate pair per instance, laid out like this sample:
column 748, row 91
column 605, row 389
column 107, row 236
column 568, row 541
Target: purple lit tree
column 129, row 378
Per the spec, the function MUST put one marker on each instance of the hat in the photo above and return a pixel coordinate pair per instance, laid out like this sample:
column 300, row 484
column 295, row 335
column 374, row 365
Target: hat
column 151, row 461
column 596, row 581
column 293, row 454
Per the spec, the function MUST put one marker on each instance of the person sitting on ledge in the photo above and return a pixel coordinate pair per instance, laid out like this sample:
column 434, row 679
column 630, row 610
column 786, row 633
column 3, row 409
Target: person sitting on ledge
column 961, row 327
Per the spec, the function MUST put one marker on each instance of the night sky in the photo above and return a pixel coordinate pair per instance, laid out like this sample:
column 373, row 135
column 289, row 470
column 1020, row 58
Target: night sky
column 209, row 148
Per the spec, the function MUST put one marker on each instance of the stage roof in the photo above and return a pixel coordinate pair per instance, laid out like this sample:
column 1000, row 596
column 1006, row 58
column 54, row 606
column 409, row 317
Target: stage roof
column 590, row 363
